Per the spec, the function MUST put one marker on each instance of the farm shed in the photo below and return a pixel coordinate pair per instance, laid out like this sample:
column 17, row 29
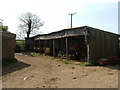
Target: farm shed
column 81, row 43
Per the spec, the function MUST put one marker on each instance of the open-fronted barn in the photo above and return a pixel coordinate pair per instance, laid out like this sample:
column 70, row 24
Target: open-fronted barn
column 82, row 43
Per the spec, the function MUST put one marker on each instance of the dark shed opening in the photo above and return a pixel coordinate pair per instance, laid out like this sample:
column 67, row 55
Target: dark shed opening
column 76, row 47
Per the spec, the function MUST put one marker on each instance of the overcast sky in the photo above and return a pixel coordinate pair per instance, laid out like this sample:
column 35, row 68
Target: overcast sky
column 102, row 14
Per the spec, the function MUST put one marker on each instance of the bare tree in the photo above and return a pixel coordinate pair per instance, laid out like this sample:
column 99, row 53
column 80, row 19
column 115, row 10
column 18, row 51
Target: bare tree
column 20, row 35
column 30, row 24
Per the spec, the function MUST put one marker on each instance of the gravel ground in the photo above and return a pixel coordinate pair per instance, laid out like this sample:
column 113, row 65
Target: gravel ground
column 43, row 72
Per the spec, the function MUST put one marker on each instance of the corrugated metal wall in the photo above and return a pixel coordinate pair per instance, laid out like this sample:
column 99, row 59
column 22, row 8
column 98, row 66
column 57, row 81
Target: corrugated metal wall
column 102, row 44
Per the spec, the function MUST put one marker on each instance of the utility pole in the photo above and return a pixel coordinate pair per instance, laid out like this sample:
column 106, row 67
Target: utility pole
column 71, row 14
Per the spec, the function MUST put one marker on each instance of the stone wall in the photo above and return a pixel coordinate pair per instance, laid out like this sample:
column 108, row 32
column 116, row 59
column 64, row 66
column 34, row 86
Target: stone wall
column 8, row 45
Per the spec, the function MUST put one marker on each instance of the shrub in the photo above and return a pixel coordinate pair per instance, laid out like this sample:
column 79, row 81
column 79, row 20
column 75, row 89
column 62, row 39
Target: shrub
column 20, row 47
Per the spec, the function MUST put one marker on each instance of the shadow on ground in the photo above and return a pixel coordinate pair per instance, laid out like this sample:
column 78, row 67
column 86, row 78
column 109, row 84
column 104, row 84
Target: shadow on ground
column 14, row 67
column 117, row 67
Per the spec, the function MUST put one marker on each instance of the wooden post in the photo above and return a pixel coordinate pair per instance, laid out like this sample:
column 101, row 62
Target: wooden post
column 39, row 46
column 45, row 43
column 88, row 51
column 87, row 39
column 53, row 48
column 44, row 46
column 66, row 39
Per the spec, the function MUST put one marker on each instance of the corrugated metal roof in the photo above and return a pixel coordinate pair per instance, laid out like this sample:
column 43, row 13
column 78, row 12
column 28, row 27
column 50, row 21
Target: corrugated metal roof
column 68, row 32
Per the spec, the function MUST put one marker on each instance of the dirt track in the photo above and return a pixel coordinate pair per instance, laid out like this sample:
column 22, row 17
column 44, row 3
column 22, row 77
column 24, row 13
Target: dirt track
column 42, row 72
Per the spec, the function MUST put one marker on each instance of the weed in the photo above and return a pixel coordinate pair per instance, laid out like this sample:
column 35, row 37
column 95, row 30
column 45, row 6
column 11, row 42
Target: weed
column 86, row 64
column 36, row 54
column 66, row 61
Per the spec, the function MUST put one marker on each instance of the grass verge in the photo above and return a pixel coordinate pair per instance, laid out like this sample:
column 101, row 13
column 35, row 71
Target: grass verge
column 66, row 61
column 86, row 64
column 36, row 54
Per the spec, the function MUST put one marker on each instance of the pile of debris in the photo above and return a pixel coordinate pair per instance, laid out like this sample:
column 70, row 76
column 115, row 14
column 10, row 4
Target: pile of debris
column 109, row 60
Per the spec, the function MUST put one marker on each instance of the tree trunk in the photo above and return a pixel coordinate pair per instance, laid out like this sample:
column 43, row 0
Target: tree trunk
column 28, row 34
column 29, row 28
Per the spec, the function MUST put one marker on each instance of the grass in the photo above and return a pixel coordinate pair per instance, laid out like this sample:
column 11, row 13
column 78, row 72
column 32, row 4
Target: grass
column 85, row 64
column 66, row 61
column 36, row 54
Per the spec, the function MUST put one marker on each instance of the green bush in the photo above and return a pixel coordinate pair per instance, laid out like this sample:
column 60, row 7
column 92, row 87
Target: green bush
column 4, row 28
column 20, row 47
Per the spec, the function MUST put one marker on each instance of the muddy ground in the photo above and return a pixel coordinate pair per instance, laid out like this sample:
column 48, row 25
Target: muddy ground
column 43, row 72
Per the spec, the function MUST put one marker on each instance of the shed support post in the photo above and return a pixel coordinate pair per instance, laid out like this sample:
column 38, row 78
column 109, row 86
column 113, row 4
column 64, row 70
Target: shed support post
column 53, row 48
column 88, row 51
column 44, row 46
column 66, row 39
column 39, row 46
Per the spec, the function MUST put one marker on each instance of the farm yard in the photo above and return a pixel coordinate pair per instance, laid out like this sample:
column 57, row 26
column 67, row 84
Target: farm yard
column 44, row 72
column 61, row 54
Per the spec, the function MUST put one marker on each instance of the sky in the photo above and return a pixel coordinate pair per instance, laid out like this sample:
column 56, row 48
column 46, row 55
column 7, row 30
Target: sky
column 102, row 14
